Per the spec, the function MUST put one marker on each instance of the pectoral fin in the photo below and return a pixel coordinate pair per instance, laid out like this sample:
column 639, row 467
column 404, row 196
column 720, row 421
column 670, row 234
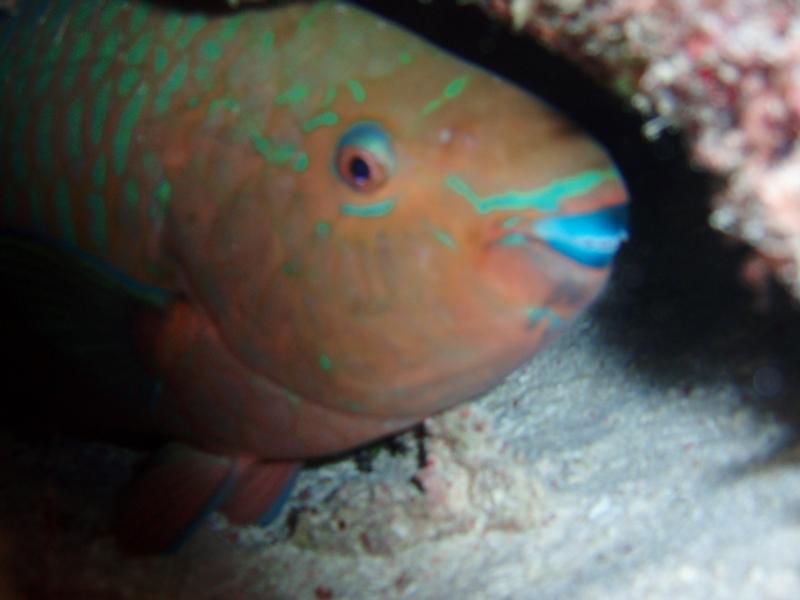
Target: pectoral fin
column 261, row 492
column 182, row 486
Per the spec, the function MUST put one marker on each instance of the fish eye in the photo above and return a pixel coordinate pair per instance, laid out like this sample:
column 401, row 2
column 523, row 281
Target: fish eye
column 364, row 157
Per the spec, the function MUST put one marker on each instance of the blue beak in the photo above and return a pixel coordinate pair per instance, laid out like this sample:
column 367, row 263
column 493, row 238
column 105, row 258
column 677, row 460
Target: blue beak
column 590, row 239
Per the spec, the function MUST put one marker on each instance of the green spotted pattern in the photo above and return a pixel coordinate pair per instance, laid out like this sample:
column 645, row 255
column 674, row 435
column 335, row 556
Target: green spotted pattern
column 109, row 67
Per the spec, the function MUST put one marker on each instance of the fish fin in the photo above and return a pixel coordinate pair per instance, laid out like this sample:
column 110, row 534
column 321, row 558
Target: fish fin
column 85, row 310
column 171, row 499
column 261, row 492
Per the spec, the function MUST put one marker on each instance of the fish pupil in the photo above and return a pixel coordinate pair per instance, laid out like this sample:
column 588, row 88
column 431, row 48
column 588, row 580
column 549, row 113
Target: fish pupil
column 359, row 170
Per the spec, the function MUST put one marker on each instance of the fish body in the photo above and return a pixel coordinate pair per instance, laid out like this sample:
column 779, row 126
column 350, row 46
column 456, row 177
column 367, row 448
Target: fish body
column 328, row 228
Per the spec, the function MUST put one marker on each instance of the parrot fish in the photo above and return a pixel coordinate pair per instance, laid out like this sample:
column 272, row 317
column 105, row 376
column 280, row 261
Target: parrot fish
column 280, row 232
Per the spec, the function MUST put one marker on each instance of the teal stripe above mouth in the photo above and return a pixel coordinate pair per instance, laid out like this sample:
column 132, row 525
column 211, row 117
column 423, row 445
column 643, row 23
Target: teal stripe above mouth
column 379, row 209
column 546, row 199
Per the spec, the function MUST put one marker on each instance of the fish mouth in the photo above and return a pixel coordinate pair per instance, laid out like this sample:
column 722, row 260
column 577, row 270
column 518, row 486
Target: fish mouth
column 590, row 239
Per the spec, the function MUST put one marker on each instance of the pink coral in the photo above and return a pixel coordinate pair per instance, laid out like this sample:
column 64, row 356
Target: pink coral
column 727, row 72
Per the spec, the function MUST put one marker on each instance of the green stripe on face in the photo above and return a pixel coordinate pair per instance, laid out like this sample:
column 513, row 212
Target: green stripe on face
column 357, row 91
column 66, row 226
column 451, row 91
column 369, row 211
column 130, row 115
column 278, row 153
column 294, row 95
column 324, row 119
column 545, row 199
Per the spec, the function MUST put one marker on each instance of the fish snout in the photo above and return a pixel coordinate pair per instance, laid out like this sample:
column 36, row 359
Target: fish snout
column 590, row 239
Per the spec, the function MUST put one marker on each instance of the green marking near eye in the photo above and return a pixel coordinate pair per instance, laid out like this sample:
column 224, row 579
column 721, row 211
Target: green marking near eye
column 279, row 153
column 294, row 95
column 324, row 119
column 322, row 229
column 455, row 87
column 356, row 90
column 301, row 162
column 443, row 237
column 330, row 96
column 369, row 211
column 325, row 362
column 546, row 199
column 451, row 91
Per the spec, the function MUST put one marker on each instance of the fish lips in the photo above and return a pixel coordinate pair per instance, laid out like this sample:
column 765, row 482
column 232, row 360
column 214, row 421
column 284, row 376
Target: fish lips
column 590, row 239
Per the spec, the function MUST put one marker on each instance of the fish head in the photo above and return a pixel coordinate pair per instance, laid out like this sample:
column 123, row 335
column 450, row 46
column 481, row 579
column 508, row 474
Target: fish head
column 406, row 229
column 466, row 223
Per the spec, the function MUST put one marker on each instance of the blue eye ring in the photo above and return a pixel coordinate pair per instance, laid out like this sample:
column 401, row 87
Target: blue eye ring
column 364, row 157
